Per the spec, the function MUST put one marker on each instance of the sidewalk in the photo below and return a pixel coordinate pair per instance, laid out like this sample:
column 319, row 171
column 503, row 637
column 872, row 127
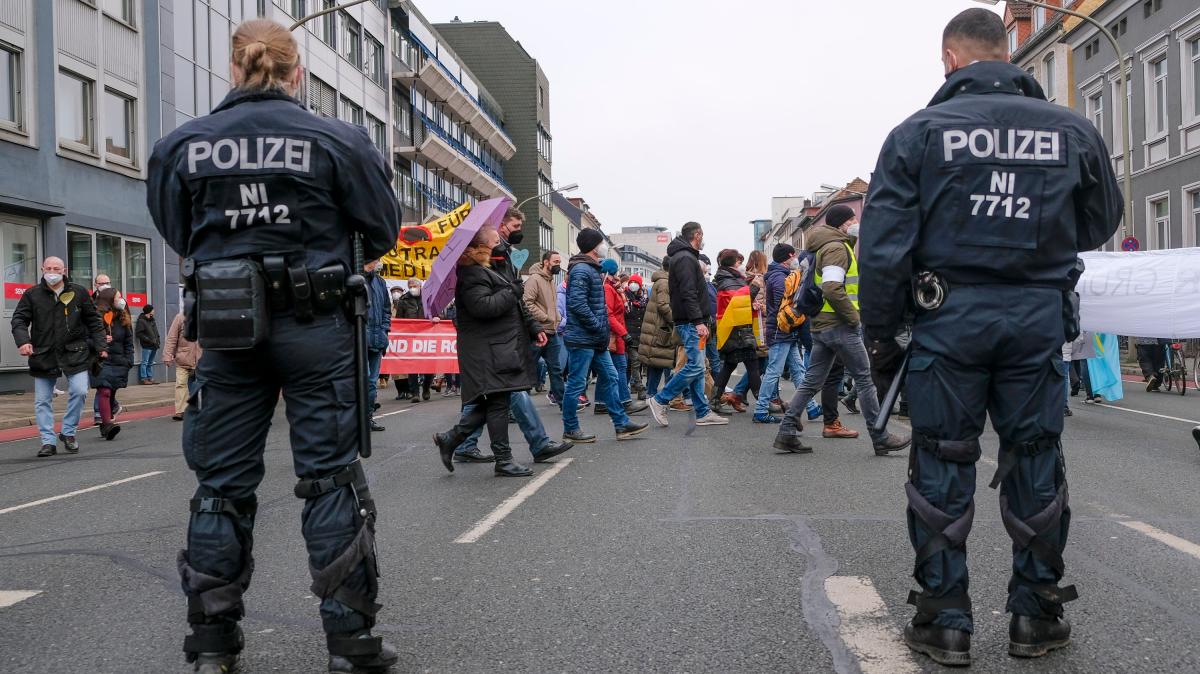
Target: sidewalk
column 16, row 409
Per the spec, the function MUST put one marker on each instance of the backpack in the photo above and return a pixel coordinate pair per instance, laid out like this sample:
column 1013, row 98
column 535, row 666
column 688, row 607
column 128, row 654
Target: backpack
column 798, row 289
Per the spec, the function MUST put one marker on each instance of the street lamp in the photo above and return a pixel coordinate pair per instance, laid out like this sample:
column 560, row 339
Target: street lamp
column 328, row 10
column 1122, row 93
column 565, row 188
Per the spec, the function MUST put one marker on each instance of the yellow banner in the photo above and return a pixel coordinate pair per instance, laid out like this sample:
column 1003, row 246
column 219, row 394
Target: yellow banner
column 419, row 245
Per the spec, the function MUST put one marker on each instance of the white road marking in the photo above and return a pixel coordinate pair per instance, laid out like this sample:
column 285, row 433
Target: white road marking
column 865, row 628
column 510, row 504
column 1149, row 414
column 78, row 492
column 388, row 414
column 1181, row 544
column 10, row 597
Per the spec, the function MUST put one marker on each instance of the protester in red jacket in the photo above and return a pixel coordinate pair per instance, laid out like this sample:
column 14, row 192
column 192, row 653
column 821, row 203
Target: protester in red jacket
column 618, row 335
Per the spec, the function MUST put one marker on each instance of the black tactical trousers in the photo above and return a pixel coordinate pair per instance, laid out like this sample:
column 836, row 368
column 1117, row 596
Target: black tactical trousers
column 233, row 398
column 989, row 351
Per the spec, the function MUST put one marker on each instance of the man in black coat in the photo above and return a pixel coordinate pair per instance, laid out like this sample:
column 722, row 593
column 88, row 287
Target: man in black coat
column 692, row 310
column 57, row 348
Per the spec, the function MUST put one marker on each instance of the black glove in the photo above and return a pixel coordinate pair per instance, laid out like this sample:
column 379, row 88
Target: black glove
column 628, row 338
column 885, row 355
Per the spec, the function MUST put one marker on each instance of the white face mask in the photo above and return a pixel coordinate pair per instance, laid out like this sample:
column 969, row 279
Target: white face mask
column 602, row 249
column 53, row 279
column 741, row 268
column 415, row 291
column 793, row 263
column 120, row 304
column 104, row 286
column 635, row 287
column 852, row 231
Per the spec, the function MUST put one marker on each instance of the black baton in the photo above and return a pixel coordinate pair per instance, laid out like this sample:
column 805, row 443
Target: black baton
column 357, row 287
column 889, row 400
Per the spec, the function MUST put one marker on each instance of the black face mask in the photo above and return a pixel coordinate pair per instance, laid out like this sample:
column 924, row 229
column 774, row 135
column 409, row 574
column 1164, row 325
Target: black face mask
column 555, row 269
column 516, row 237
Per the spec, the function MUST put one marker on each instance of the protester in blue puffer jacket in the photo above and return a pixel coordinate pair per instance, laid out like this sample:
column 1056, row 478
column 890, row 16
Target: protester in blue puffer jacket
column 379, row 322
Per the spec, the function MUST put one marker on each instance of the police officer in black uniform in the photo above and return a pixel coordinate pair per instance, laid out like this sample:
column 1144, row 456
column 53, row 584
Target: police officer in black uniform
column 263, row 198
column 988, row 195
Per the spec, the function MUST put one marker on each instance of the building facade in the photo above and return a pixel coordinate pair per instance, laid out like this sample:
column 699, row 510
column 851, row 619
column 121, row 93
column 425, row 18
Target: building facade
column 1040, row 50
column 1161, row 44
column 567, row 221
column 517, row 81
column 634, row 260
column 651, row 239
column 448, row 134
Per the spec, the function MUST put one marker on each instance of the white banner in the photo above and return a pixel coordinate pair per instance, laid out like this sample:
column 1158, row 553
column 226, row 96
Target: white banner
column 1153, row 293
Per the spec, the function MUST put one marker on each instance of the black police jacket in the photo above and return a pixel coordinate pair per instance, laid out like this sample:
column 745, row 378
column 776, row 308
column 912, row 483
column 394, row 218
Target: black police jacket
column 990, row 184
column 262, row 175
column 66, row 330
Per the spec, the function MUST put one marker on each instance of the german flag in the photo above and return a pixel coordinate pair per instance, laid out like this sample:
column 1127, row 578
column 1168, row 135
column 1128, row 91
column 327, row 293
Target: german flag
column 733, row 310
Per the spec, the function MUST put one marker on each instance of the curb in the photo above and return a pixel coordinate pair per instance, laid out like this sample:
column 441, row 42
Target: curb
column 21, row 422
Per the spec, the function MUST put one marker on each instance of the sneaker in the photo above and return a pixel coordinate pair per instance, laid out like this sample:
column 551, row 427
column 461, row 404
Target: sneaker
column 58, row 392
column 1154, row 384
column 712, row 419
column 658, row 411
column 630, row 429
column 584, row 402
column 177, row 417
column 47, row 450
column 837, row 430
column 766, row 419
column 117, row 408
column 892, row 443
column 376, row 427
column 578, row 437
column 1067, row 412
column 447, row 392
column 69, row 443
column 110, row 430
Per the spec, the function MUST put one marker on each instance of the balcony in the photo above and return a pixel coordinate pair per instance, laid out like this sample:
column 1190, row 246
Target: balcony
column 435, row 150
column 445, row 88
column 403, row 72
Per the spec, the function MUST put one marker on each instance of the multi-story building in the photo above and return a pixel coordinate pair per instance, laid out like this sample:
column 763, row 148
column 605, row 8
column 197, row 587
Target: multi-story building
column 634, row 260
column 567, row 221
column 448, row 132
column 1161, row 41
column 792, row 216
column 653, row 240
column 1039, row 48
column 516, row 79
column 761, row 227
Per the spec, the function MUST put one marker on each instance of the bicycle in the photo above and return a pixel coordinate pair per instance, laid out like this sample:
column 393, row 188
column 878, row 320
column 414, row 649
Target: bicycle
column 1174, row 372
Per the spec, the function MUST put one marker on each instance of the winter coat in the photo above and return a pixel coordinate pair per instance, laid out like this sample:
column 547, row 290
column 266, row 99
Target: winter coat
column 184, row 352
column 635, row 313
column 147, row 332
column 614, row 302
column 540, row 299
column 561, row 304
column 114, row 370
column 776, row 280
column 409, row 306
column 587, row 313
column 741, row 344
column 61, row 346
column 656, row 345
column 829, row 245
column 379, row 313
column 494, row 335
column 689, row 298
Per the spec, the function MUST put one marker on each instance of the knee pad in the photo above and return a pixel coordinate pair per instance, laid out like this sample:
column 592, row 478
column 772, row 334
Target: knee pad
column 945, row 531
column 329, row 582
column 210, row 598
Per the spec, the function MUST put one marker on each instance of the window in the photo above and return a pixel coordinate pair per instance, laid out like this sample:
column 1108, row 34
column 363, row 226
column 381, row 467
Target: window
column 545, row 147
column 1120, row 114
column 1193, row 219
column 119, row 125
column 378, row 136
column 1051, row 78
column 1156, row 97
column 1095, row 110
column 1192, row 62
column 299, row 8
column 351, row 112
column 545, row 189
column 1151, row 6
column 74, row 108
column 351, row 40
column 375, row 66
column 125, row 260
column 402, row 113
column 322, row 99
column 118, row 9
column 1119, row 28
column 546, row 236
column 1039, row 18
column 1160, row 222
column 327, row 24
column 1012, row 41
column 11, row 105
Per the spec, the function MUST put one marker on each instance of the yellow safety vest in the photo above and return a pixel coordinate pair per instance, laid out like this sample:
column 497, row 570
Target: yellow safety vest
column 851, row 282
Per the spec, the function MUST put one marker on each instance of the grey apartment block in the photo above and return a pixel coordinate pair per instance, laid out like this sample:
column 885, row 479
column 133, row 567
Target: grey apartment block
column 79, row 112
column 514, row 77
column 1161, row 41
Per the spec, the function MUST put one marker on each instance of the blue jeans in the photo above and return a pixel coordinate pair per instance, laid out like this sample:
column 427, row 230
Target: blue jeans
column 521, row 405
column 654, row 375
column 580, row 362
column 146, row 369
column 690, row 377
column 43, row 392
column 780, row 355
column 552, row 355
column 621, row 365
column 374, row 362
column 714, row 356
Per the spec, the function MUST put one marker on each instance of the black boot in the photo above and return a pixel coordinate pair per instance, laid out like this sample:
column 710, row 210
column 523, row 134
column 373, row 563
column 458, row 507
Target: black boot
column 359, row 653
column 945, row 645
column 1030, row 637
column 505, row 465
column 109, row 431
column 445, row 449
column 214, row 649
column 788, row 438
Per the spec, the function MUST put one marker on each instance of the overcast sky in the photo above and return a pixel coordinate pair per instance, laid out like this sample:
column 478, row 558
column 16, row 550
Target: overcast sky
column 666, row 111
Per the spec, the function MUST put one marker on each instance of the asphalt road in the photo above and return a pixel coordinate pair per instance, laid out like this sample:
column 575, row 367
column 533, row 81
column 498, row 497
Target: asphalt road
column 685, row 550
